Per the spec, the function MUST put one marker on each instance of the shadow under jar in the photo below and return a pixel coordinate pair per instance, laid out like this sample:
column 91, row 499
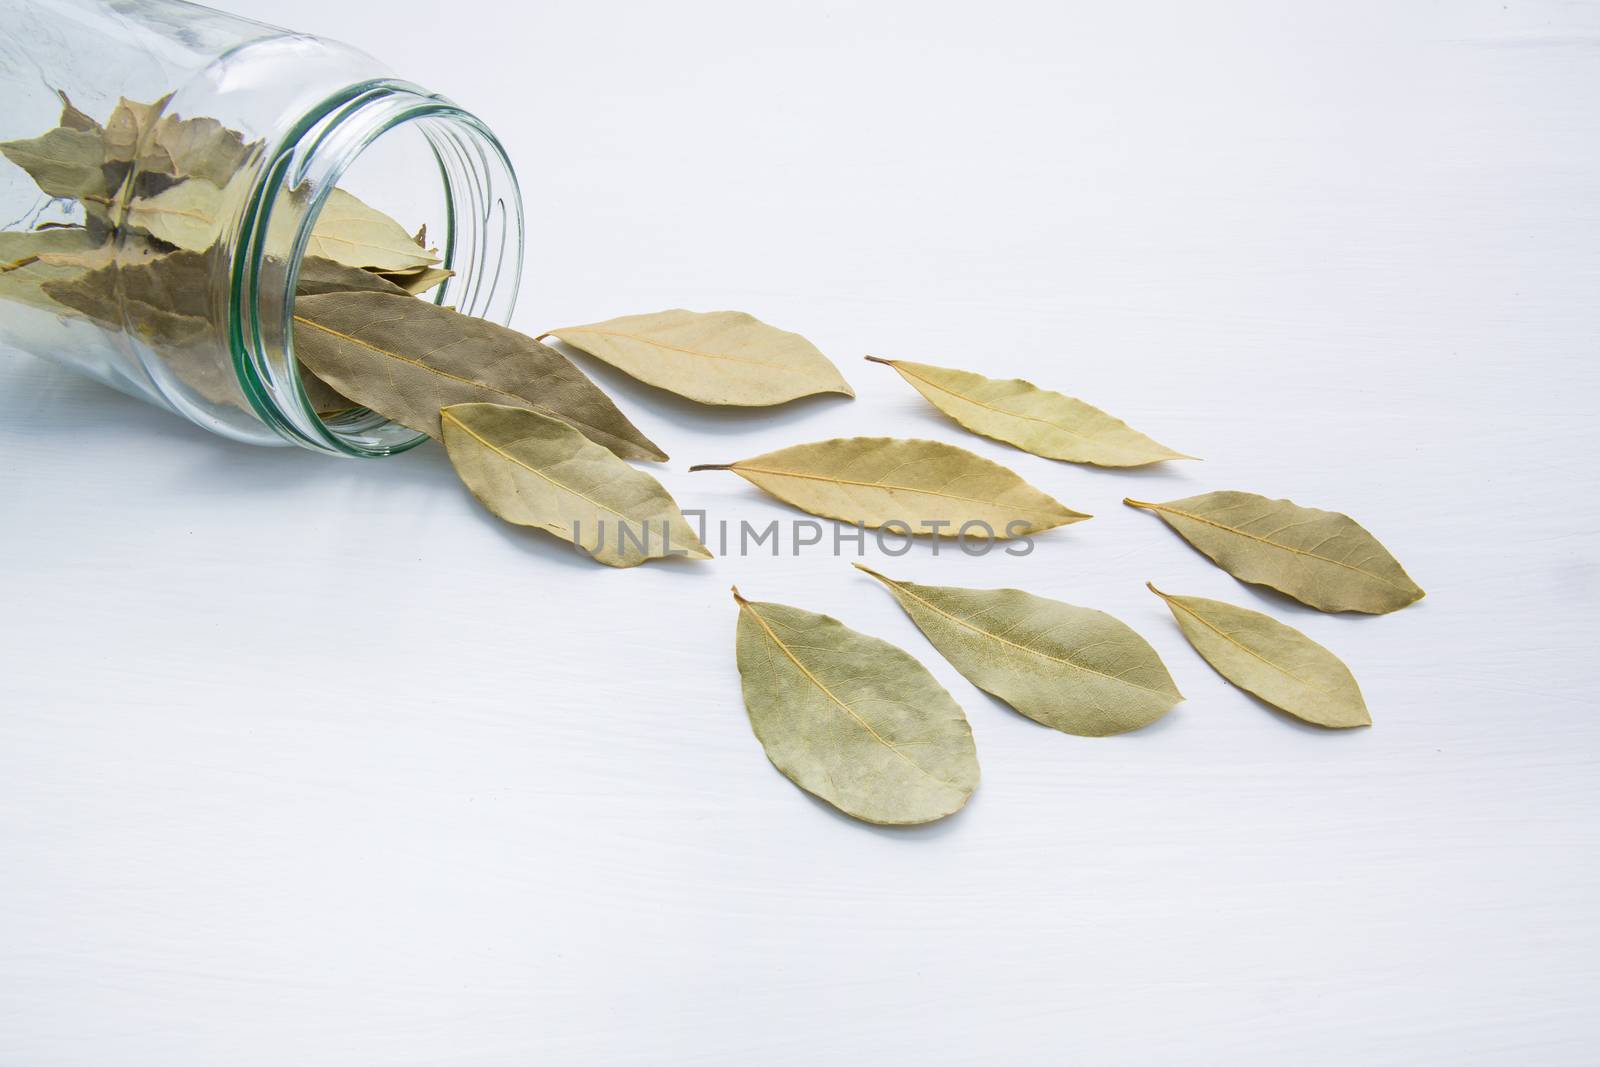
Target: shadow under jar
column 169, row 174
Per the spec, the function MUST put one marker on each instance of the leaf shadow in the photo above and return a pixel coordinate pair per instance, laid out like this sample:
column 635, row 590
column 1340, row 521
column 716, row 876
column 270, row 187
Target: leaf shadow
column 681, row 411
column 1267, row 597
column 1177, row 469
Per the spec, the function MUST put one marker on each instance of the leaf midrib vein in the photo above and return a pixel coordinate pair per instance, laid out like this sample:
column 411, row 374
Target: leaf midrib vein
column 1246, row 648
column 1007, row 411
column 1274, row 544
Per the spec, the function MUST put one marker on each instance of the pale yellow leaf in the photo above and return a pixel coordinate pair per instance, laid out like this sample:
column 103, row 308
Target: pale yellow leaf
column 534, row 470
column 717, row 357
column 1035, row 420
column 1275, row 662
column 929, row 486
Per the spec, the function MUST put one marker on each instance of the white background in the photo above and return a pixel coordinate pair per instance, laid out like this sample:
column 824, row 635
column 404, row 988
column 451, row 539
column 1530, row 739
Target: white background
column 308, row 761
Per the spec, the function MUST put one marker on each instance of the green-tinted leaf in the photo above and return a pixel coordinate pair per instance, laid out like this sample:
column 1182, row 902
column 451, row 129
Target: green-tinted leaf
column 852, row 719
column 717, row 357
column 406, row 358
column 1321, row 558
column 883, row 481
column 318, row 276
column 1076, row 669
column 64, row 162
column 1035, row 420
column 533, row 470
column 1277, row 663
column 164, row 303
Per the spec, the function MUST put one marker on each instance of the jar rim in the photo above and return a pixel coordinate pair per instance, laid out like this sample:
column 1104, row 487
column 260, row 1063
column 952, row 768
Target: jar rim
column 482, row 246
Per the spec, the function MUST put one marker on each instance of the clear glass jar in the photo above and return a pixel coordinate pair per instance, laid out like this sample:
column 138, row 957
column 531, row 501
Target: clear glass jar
column 284, row 119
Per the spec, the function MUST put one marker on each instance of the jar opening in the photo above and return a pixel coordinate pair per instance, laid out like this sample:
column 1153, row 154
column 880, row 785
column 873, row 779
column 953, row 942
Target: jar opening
column 419, row 160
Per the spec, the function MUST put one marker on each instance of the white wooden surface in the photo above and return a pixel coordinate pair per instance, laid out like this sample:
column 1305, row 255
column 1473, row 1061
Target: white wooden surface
column 308, row 761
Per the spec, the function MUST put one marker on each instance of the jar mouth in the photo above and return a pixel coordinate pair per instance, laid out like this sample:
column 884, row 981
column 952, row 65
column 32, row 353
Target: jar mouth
column 480, row 209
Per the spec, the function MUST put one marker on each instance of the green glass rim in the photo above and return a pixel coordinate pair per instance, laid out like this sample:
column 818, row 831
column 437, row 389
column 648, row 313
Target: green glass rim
column 376, row 108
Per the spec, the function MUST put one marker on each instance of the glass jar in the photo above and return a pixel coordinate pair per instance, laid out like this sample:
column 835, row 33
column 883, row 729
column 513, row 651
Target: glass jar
column 106, row 266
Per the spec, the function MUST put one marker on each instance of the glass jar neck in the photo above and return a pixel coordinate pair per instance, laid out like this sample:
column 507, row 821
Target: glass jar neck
column 480, row 243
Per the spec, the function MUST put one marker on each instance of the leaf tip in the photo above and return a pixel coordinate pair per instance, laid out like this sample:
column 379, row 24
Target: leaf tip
column 737, row 598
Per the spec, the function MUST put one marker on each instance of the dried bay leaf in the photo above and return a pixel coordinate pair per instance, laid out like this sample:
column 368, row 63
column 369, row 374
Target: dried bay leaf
column 125, row 131
column 416, row 282
column 166, row 304
column 1275, row 662
column 350, row 232
column 852, row 719
column 191, row 215
column 1074, row 669
column 534, row 470
column 318, row 276
column 1320, row 558
column 406, row 358
column 199, row 148
column 719, row 357
column 64, row 162
column 1035, row 420
column 324, row 399
column 31, row 259
column 130, row 251
column 929, row 486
